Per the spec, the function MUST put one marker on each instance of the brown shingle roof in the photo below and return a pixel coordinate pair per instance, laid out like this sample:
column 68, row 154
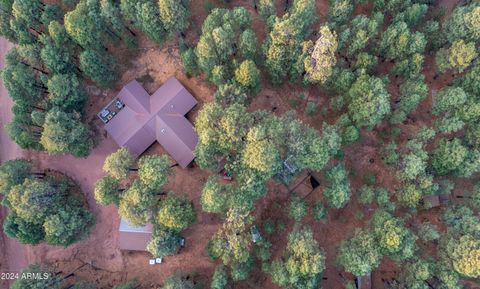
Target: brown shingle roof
column 160, row 117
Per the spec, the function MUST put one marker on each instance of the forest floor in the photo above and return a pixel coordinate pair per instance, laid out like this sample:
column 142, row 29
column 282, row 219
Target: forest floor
column 99, row 259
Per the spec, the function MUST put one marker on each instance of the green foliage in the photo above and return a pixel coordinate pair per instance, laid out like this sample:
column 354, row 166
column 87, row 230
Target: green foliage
column 366, row 194
column 340, row 82
column 82, row 28
column 302, row 264
column 12, row 173
column 369, row 101
column 118, row 164
column 413, row 162
column 459, row 56
column 214, row 196
column 358, row 34
column 365, row 61
column 470, row 81
column 320, row 56
column 427, row 232
column 283, row 46
column 38, row 211
column 461, row 220
column 178, row 280
column 340, row 10
column 448, row 156
column 463, row 23
column 297, row 209
column 153, row 171
column 360, row 254
column 263, row 143
column 247, row 75
column 220, row 278
column 266, row 8
column 57, row 59
column 393, row 238
column 98, row 67
column 398, row 42
column 66, row 93
column 189, row 61
column 337, row 193
column 175, row 213
column 232, row 242
column 319, row 211
column 412, row 14
column 412, row 92
column 228, row 94
column 163, row 243
column 409, row 67
column 147, row 17
column 464, row 253
column 65, row 133
column 174, row 15
column 416, row 274
column 248, row 44
column 390, row 155
column 25, row 232
column 409, row 195
column 107, row 191
column 223, row 32
column 68, row 225
column 136, row 204
column 240, row 271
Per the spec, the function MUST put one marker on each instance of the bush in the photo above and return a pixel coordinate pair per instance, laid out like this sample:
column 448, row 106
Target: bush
column 319, row 211
column 297, row 209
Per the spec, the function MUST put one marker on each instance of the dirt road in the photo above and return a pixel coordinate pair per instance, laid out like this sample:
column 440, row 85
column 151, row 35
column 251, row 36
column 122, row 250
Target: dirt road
column 14, row 254
column 99, row 248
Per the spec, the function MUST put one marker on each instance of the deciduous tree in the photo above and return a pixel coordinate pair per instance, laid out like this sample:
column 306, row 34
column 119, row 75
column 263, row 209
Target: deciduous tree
column 118, row 164
column 321, row 56
column 369, row 101
column 154, row 171
column 360, row 254
column 175, row 213
column 303, row 263
column 164, row 242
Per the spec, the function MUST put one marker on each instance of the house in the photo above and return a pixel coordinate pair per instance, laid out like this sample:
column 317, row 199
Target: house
column 133, row 238
column 136, row 120
column 364, row 282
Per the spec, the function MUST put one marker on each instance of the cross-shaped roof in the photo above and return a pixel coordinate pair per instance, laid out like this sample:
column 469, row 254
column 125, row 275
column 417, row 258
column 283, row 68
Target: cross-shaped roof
column 159, row 117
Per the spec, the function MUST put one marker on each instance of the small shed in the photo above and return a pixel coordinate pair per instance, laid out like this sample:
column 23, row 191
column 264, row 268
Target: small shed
column 364, row 282
column 431, row 201
column 444, row 199
column 133, row 238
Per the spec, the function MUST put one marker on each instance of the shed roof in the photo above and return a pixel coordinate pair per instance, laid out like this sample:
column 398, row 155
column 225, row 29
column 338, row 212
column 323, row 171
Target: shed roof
column 433, row 201
column 364, row 282
column 160, row 117
column 134, row 238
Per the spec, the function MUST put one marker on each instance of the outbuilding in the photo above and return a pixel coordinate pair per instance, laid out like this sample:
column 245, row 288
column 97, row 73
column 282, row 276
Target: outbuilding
column 364, row 282
column 133, row 238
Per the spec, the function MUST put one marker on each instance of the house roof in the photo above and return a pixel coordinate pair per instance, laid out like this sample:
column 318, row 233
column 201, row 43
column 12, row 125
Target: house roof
column 159, row 117
column 134, row 238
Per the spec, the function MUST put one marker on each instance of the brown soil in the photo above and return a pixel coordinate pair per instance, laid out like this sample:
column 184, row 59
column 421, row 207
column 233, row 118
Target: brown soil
column 98, row 258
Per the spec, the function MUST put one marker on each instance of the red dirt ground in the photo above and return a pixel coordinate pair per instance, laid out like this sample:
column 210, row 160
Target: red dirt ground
column 98, row 258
